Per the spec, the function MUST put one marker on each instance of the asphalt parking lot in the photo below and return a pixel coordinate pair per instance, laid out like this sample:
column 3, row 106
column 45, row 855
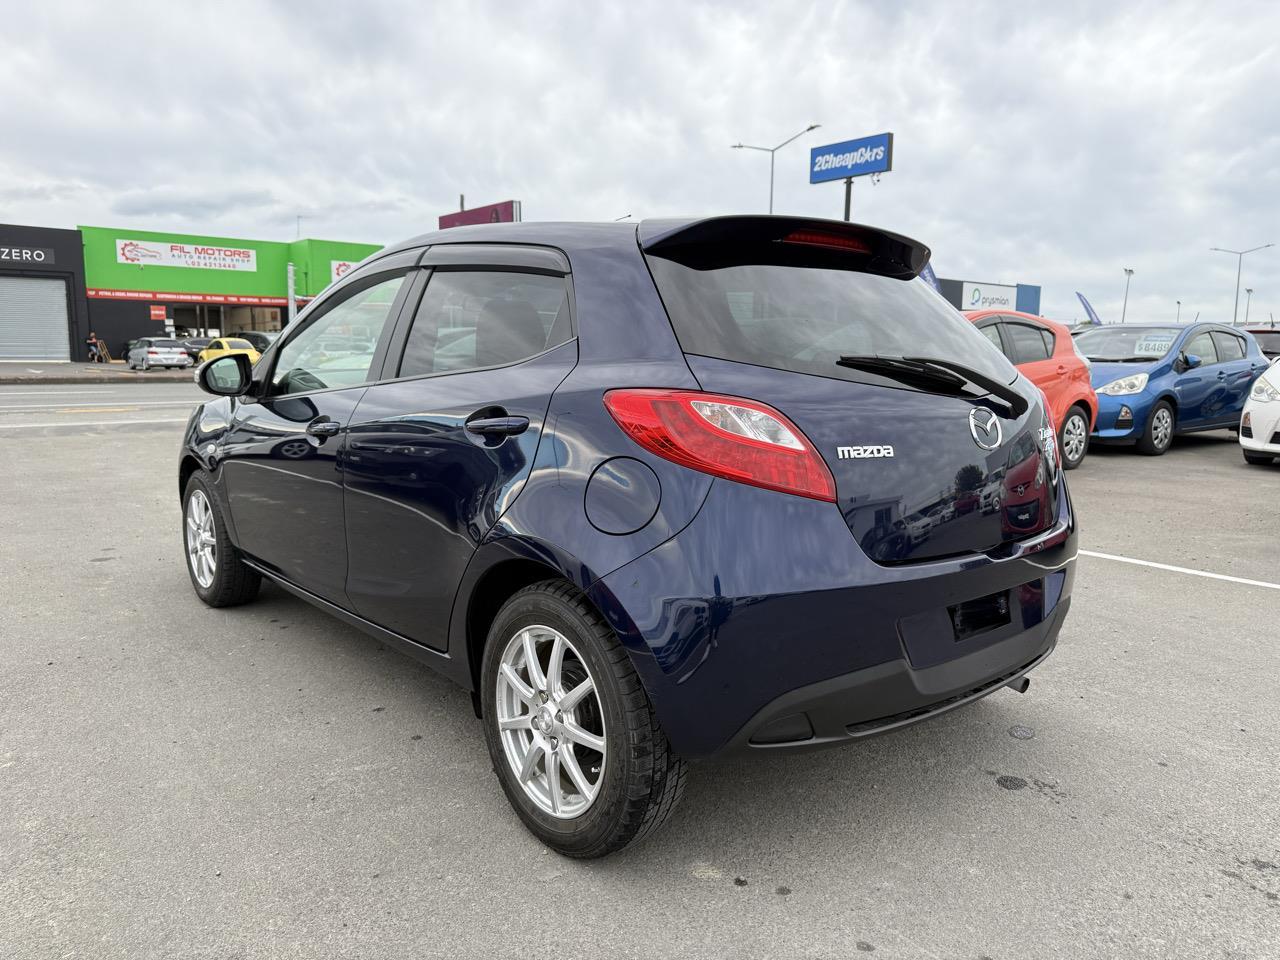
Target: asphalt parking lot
column 266, row 782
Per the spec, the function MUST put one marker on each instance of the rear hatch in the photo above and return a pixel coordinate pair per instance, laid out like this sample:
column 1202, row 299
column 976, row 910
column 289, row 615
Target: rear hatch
column 167, row 351
column 803, row 315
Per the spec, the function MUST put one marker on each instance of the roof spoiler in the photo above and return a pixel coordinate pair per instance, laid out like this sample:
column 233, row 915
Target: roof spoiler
column 785, row 241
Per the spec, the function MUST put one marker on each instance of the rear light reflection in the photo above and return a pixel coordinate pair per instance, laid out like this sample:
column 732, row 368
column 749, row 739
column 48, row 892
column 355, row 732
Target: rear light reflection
column 818, row 238
column 741, row 440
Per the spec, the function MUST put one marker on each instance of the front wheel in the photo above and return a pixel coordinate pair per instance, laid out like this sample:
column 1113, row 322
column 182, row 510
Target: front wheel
column 571, row 732
column 220, row 577
column 1158, row 434
column 1073, row 438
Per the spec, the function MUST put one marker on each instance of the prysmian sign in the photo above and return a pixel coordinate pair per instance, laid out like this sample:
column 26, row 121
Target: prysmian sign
column 852, row 158
column 988, row 296
column 25, row 255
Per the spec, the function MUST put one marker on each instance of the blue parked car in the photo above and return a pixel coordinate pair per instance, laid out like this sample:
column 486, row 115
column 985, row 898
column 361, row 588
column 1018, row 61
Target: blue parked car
column 1156, row 381
column 651, row 492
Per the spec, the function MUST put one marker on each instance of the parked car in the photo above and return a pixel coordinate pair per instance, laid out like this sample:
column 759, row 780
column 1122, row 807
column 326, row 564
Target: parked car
column 225, row 346
column 1260, row 422
column 1268, row 340
column 150, row 352
column 1155, row 381
column 261, row 339
column 1046, row 354
column 583, row 519
column 193, row 346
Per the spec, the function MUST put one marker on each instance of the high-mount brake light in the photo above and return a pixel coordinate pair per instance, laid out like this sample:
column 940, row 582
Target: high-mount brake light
column 818, row 238
column 741, row 440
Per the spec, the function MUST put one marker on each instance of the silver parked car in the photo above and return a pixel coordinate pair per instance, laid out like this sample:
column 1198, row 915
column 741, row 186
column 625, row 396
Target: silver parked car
column 157, row 352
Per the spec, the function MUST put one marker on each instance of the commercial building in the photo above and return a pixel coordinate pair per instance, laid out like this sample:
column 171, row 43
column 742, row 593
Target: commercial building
column 977, row 295
column 58, row 285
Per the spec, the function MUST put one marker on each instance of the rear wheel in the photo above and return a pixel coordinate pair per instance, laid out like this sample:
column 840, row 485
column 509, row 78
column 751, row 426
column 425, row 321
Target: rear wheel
column 1158, row 434
column 220, row 577
column 1073, row 438
column 1258, row 459
column 573, row 738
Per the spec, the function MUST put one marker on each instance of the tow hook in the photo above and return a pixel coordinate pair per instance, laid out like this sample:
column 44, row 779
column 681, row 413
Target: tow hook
column 1022, row 684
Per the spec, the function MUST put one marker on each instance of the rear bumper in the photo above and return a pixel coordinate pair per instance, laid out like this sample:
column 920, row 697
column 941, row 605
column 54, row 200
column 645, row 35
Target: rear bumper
column 764, row 608
column 892, row 695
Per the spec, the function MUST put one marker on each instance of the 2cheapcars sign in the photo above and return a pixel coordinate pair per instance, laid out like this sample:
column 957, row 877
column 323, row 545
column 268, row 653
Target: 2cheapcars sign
column 851, row 158
column 197, row 256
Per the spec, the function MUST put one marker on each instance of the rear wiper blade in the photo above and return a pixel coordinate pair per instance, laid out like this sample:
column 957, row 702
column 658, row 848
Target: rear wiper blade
column 940, row 372
column 1017, row 402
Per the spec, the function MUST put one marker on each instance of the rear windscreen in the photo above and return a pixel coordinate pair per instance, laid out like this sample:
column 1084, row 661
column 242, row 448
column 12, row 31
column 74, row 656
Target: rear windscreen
column 1269, row 342
column 804, row 319
column 165, row 343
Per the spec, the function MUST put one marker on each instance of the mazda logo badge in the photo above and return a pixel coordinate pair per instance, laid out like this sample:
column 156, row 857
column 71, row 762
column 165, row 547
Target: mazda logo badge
column 985, row 427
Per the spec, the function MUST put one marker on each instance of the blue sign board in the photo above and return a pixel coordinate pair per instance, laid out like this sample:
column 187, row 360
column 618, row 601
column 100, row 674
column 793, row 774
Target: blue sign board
column 852, row 158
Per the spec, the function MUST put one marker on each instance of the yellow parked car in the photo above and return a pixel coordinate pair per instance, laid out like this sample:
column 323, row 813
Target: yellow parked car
column 227, row 346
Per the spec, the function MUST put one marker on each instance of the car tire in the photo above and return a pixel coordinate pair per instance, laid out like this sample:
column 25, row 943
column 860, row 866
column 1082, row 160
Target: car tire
column 220, row 577
column 638, row 779
column 1257, row 459
column 1158, row 433
column 1074, row 436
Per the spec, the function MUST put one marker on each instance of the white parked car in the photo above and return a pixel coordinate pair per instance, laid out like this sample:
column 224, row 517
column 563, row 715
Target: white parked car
column 152, row 352
column 1260, row 421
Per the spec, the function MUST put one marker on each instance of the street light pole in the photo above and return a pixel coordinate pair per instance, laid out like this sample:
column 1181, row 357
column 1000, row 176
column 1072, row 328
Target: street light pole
column 1179, row 303
column 1239, row 255
column 1128, row 274
column 771, row 151
column 1248, row 299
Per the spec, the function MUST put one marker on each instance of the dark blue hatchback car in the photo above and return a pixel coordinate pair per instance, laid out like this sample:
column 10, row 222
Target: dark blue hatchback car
column 651, row 492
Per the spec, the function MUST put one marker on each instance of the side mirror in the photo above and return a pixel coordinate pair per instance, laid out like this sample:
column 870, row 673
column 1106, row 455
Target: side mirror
column 1190, row 361
column 229, row 376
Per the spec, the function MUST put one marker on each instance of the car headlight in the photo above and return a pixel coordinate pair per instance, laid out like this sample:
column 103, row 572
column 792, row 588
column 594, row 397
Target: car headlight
column 1135, row 383
column 1264, row 391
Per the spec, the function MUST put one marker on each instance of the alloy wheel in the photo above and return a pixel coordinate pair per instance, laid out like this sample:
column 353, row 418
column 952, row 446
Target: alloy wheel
column 1162, row 428
column 550, row 721
column 202, row 544
column 1074, row 435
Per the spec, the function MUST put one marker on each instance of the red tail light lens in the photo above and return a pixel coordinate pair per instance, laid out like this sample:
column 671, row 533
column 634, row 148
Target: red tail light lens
column 153, row 353
column 729, row 437
column 816, row 238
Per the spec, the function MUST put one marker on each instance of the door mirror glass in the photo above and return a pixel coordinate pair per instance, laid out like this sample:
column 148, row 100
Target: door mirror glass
column 227, row 376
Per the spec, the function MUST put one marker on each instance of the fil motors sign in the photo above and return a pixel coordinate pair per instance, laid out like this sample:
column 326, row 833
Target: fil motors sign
column 195, row 256
column 988, row 296
column 851, row 158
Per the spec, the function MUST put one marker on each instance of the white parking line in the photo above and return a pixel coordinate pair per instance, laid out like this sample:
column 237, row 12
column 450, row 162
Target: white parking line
column 52, row 393
column 107, row 403
column 1188, row 570
column 84, row 423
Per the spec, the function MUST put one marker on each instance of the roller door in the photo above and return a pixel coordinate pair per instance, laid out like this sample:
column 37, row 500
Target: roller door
column 33, row 319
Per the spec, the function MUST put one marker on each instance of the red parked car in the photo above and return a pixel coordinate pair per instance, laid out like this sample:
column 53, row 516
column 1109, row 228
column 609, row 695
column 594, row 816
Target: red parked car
column 1045, row 353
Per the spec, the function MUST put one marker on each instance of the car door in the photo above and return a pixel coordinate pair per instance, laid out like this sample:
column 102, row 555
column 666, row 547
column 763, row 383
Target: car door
column 282, row 455
column 440, row 449
column 1032, row 350
column 1236, row 373
column 1198, row 389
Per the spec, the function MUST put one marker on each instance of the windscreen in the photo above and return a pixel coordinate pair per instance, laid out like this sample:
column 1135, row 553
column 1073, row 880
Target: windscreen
column 1268, row 342
column 1127, row 343
column 804, row 319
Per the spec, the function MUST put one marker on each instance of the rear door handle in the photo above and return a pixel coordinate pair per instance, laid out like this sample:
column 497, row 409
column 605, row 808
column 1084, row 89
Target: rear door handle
column 498, row 426
column 323, row 427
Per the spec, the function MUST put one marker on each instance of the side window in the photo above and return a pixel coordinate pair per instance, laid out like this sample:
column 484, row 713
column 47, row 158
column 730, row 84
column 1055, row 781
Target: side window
column 1230, row 347
column 336, row 349
column 1028, row 342
column 1201, row 345
column 473, row 319
column 992, row 332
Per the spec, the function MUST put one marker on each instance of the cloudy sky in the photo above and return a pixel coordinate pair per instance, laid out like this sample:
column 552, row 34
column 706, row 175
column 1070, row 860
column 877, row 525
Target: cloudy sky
column 1053, row 148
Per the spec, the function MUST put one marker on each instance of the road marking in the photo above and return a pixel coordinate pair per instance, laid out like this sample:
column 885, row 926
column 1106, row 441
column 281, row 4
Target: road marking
column 1188, row 570
column 106, row 403
column 52, row 393
column 97, row 410
column 84, row 423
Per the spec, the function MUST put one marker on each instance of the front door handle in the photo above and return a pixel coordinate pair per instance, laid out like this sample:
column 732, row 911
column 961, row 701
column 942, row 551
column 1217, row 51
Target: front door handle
column 323, row 427
column 498, row 426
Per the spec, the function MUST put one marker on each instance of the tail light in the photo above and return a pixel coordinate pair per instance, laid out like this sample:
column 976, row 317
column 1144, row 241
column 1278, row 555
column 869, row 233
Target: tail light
column 741, row 440
column 153, row 353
